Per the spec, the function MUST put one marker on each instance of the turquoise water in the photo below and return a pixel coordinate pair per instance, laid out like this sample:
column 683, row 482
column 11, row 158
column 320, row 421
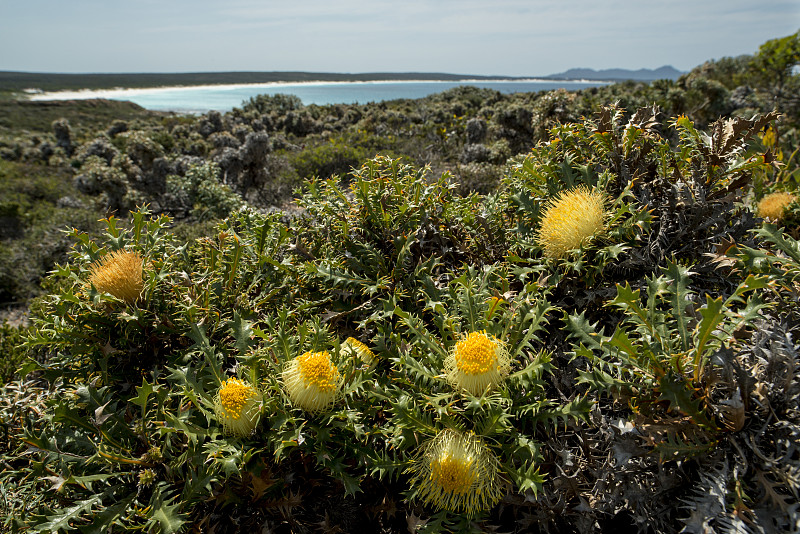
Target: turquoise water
column 226, row 97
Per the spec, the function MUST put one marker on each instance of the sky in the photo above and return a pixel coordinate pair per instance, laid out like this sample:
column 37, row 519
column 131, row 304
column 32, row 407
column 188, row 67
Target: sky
column 490, row 37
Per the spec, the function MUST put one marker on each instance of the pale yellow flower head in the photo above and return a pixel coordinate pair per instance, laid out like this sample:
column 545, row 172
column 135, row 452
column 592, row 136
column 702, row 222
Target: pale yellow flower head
column 237, row 406
column 570, row 220
column 120, row 274
column 363, row 352
column 456, row 472
column 312, row 381
column 477, row 362
column 773, row 205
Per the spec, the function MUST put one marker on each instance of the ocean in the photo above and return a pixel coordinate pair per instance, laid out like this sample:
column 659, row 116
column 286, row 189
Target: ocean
column 200, row 99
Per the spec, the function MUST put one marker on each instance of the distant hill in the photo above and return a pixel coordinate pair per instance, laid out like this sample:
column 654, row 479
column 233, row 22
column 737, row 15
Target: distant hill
column 666, row 72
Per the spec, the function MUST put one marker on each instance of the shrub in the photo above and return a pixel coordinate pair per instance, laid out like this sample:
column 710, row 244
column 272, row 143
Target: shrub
column 12, row 351
column 201, row 194
column 108, row 184
column 335, row 158
column 277, row 103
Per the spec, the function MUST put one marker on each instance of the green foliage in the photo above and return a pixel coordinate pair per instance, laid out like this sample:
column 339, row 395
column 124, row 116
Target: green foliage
column 278, row 103
column 11, row 351
column 32, row 215
column 660, row 352
column 108, row 183
column 780, row 261
column 775, row 62
column 335, row 158
column 378, row 243
column 209, row 199
column 83, row 115
column 131, row 370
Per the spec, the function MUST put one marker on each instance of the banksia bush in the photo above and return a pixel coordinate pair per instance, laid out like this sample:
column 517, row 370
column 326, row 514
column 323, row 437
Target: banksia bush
column 477, row 362
column 774, row 205
column 237, row 407
column 456, row 472
column 570, row 220
column 312, row 381
column 120, row 274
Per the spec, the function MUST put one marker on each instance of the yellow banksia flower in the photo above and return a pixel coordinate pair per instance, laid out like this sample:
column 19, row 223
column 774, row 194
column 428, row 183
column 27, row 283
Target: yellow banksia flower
column 120, row 274
column 570, row 220
column 312, row 381
column 478, row 361
column 237, row 406
column 363, row 352
column 773, row 205
column 455, row 471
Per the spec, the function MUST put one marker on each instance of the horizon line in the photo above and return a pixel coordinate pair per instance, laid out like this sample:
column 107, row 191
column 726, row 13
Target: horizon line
column 325, row 73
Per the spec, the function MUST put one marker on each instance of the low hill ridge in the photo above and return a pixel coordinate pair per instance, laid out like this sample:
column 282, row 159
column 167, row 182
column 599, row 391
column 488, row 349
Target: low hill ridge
column 666, row 72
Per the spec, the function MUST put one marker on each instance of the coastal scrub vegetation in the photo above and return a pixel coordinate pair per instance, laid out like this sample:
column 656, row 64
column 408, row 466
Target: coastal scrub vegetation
column 550, row 312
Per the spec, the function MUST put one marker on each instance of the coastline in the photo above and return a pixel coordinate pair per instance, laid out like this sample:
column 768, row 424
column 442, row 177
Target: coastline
column 115, row 93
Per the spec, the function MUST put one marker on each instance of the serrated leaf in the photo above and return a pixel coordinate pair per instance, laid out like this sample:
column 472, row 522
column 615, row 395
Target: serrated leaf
column 193, row 432
column 495, row 421
column 242, row 333
column 584, row 331
column 406, row 414
column 117, row 457
column 64, row 413
column 679, row 298
column 142, row 393
column 773, row 234
column 61, row 519
column 526, row 478
column 380, row 464
column 628, row 300
column 341, row 278
column 676, row 447
column 166, row 516
column 102, row 522
column 677, row 391
column 599, row 380
column 751, row 283
column 577, row 409
column 415, row 325
column 531, row 374
column 198, row 334
column 422, row 373
column 621, row 341
column 529, row 325
column 712, row 315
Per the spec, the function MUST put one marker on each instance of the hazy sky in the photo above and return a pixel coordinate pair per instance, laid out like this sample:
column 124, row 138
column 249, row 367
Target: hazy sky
column 504, row 37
